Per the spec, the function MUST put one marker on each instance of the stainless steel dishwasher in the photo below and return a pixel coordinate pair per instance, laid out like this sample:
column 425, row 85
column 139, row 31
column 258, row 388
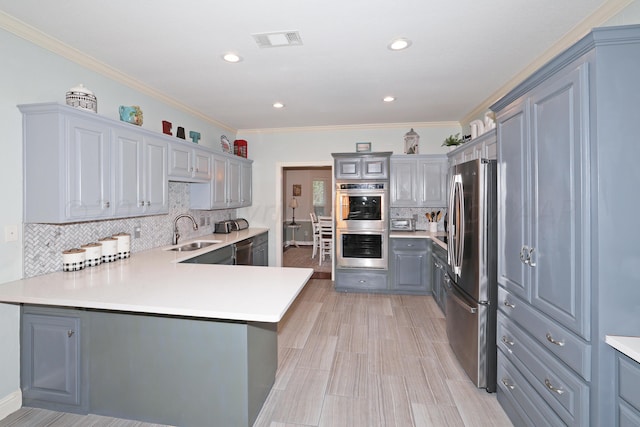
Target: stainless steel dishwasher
column 244, row 252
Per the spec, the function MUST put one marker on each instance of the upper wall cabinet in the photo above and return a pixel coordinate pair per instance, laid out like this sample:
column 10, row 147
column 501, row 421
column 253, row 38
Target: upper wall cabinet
column 418, row 180
column 482, row 147
column 189, row 164
column 372, row 166
column 229, row 187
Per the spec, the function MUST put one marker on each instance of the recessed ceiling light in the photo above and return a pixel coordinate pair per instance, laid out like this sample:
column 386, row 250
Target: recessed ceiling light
column 399, row 44
column 231, row 57
column 278, row 105
column 388, row 99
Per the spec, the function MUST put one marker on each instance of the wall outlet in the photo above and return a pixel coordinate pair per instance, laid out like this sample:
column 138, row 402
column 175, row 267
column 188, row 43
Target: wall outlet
column 202, row 221
column 11, row 233
column 136, row 232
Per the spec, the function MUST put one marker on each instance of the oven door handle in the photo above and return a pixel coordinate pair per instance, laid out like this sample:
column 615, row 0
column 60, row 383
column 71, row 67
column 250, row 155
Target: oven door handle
column 461, row 303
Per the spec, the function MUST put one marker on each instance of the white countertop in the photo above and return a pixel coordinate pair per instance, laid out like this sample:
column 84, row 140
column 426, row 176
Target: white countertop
column 154, row 281
column 420, row 234
column 629, row 346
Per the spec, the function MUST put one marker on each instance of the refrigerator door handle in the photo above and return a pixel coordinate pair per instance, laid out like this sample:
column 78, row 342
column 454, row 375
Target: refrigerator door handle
column 456, row 227
column 463, row 304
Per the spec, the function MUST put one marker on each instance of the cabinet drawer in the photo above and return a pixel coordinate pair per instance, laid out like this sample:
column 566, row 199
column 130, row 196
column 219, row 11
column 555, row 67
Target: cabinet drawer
column 569, row 348
column 404, row 243
column 361, row 281
column 535, row 412
column 562, row 389
column 629, row 381
column 627, row 416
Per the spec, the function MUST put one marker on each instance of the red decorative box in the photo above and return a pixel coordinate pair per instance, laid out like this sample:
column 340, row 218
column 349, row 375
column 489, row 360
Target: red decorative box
column 240, row 148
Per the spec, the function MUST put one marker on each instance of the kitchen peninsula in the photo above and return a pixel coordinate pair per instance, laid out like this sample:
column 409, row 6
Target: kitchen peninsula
column 162, row 341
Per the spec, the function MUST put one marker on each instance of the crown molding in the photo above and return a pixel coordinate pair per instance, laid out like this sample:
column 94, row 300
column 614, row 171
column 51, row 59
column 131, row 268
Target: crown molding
column 372, row 126
column 37, row 37
column 604, row 13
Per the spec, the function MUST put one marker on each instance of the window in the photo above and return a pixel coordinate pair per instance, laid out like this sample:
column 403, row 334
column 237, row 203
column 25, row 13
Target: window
column 321, row 197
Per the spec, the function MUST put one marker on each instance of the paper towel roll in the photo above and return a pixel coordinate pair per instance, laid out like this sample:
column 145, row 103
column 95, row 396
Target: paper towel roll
column 124, row 245
column 93, row 254
column 109, row 249
column 73, row 259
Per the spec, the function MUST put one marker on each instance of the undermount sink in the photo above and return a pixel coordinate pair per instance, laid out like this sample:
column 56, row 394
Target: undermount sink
column 192, row 246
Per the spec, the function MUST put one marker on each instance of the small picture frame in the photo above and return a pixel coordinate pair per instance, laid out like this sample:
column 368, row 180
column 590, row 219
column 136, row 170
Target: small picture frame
column 363, row 147
column 297, row 190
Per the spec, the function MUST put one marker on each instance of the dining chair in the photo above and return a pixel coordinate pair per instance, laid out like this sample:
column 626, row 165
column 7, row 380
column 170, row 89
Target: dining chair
column 326, row 240
column 315, row 227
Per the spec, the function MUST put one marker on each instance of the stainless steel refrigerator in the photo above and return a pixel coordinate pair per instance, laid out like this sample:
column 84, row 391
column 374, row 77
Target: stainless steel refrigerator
column 472, row 289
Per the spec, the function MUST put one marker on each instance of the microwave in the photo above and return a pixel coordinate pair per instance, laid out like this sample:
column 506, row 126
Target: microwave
column 361, row 205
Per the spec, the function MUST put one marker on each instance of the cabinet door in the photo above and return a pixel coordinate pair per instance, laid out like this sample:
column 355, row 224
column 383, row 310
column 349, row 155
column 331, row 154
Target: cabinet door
column 348, row 168
column 410, row 260
column 404, row 183
column 128, row 171
column 202, row 165
column 155, row 177
column 246, row 177
column 559, row 218
column 375, row 168
column 432, row 179
column 51, row 359
column 513, row 205
column 219, row 183
column 233, row 183
column 88, row 170
column 180, row 161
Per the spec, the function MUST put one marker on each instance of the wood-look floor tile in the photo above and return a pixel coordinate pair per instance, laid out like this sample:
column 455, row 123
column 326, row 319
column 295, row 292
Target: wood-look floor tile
column 340, row 411
column 380, row 305
column 328, row 323
column 318, row 353
column 436, row 416
column 408, row 340
column 287, row 362
column 388, row 401
column 450, row 365
column 402, row 316
column 302, row 401
column 477, row 408
column 436, row 378
column 385, row 357
column 349, row 375
column 353, row 338
column 382, row 326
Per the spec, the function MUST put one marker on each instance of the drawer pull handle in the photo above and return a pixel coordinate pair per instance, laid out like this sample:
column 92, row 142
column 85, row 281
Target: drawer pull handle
column 70, row 333
column 507, row 341
column 507, row 384
column 508, row 304
column 552, row 388
column 554, row 341
column 362, row 281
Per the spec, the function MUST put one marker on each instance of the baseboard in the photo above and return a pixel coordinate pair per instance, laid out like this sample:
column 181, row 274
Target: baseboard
column 10, row 404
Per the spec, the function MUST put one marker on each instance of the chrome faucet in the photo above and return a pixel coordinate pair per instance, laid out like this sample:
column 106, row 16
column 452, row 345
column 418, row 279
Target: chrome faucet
column 176, row 235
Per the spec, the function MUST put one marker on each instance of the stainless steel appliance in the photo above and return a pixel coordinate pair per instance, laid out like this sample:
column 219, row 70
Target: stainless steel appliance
column 472, row 290
column 243, row 252
column 229, row 225
column 362, row 205
column 402, row 224
column 361, row 224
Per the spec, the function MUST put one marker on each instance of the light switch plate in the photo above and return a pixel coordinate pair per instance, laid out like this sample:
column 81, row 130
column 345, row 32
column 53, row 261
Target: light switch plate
column 10, row 233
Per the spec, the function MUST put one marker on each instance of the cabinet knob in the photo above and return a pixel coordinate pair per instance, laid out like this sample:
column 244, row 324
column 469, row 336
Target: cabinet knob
column 141, row 203
column 507, row 341
column 508, row 304
column 106, row 204
column 70, row 333
column 362, row 281
column 508, row 384
column 148, row 203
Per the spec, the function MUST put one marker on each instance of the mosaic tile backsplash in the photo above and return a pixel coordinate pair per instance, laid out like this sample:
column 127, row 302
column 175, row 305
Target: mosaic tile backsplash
column 44, row 243
column 421, row 220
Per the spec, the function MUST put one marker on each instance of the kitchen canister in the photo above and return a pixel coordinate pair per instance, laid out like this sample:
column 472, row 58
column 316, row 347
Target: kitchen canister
column 93, row 254
column 109, row 249
column 82, row 98
column 124, row 244
column 73, row 259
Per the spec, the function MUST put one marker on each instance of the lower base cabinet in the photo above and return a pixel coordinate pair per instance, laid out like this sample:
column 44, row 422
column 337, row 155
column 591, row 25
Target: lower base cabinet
column 627, row 391
column 439, row 275
column 358, row 280
column 261, row 249
column 410, row 265
column 52, row 366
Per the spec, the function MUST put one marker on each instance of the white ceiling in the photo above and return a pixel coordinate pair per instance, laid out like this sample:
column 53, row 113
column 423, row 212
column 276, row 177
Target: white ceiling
column 463, row 53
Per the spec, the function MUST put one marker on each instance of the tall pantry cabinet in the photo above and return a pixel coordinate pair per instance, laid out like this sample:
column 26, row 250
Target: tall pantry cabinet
column 567, row 236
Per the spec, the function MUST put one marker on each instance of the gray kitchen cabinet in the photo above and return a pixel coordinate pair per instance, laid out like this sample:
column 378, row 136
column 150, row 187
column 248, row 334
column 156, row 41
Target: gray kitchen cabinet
column 229, row 186
column 439, row 275
column 482, row 147
column 627, row 391
column 371, row 166
column 140, row 174
column 361, row 280
column 410, row 266
column 418, row 181
column 565, row 273
column 223, row 256
column 52, row 371
column 67, row 165
column 261, row 249
column 188, row 164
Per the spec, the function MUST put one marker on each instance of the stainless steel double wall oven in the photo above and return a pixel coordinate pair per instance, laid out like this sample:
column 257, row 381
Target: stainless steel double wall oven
column 362, row 224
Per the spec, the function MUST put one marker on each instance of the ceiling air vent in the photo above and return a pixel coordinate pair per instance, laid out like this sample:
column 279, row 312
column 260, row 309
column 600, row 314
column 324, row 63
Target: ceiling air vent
column 279, row 39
